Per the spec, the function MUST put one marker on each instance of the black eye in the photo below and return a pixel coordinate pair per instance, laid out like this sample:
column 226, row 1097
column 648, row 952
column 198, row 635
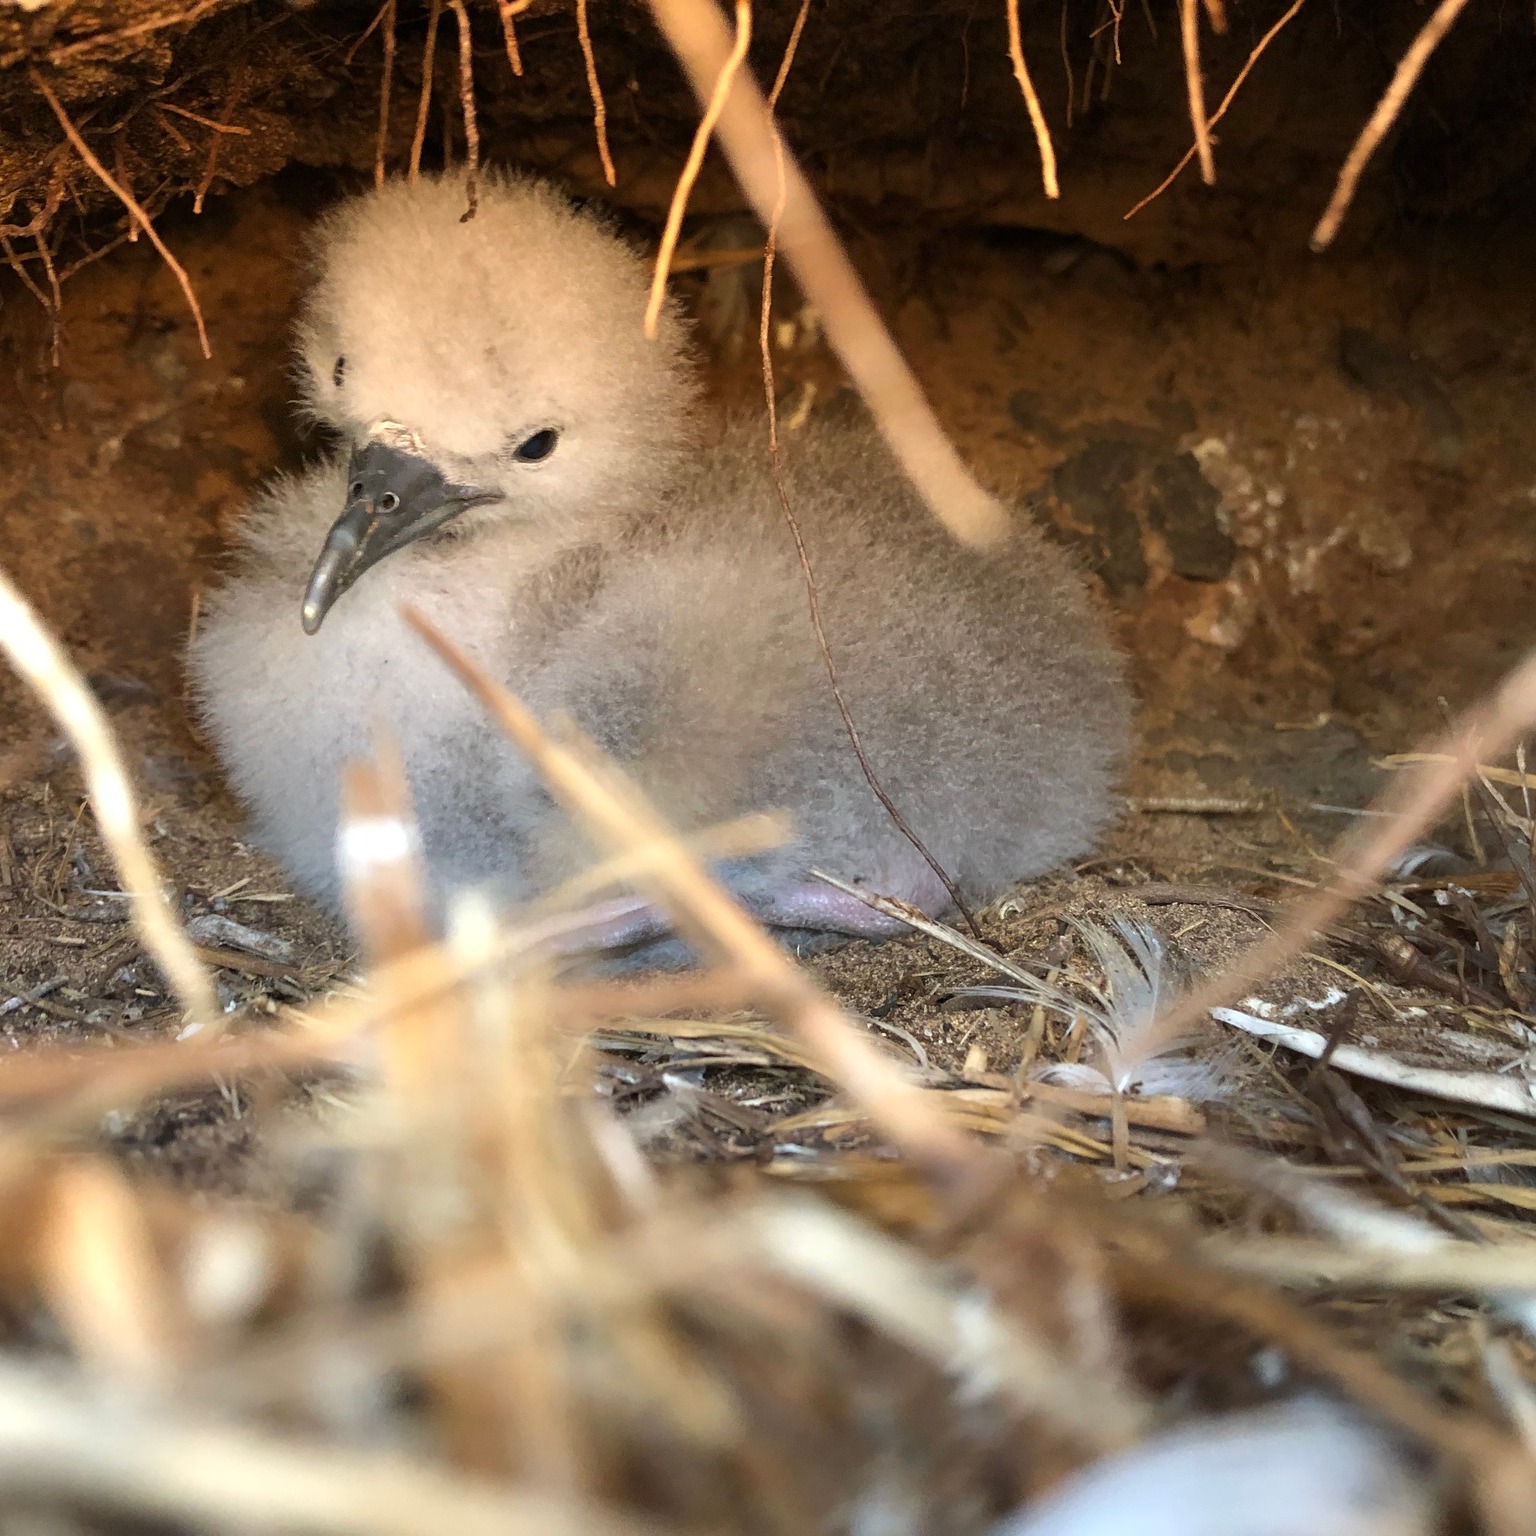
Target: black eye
column 531, row 450
column 339, row 372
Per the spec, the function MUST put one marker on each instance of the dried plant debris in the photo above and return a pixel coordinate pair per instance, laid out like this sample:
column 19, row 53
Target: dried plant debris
column 954, row 1237
column 484, row 1241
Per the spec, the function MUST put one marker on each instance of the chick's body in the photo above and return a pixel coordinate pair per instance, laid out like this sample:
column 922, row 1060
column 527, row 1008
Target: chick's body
column 640, row 577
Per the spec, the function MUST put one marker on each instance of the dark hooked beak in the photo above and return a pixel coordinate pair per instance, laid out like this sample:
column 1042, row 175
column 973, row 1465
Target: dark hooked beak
column 393, row 499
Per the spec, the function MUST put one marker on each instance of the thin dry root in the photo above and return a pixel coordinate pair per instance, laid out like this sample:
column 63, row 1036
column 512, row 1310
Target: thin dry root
column 691, row 166
column 367, row 32
column 41, row 661
column 18, row 265
column 221, row 128
column 1406, row 77
column 424, row 101
column 746, row 132
column 771, row 244
column 467, row 101
column 808, row 575
column 595, row 86
column 55, row 306
column 508, row 10
column 136, row 213
column 1032, row 103
column 1221, row 111
column 386, row 90
column 1189, row 31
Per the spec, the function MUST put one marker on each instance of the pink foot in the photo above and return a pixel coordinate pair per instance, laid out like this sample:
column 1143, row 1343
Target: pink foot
column 806, row 907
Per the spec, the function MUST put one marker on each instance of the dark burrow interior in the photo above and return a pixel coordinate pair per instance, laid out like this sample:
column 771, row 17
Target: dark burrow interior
column 1304, row 482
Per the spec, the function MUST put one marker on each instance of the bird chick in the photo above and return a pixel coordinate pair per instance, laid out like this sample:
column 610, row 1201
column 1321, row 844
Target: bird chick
column 522, row 465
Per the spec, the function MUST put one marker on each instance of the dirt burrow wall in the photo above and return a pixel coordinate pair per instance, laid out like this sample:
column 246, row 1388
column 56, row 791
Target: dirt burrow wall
column 1305, row 483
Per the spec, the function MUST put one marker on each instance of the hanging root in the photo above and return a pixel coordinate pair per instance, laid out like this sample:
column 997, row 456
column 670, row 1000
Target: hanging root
column 138, row 218
column 771, row 243
column 698, row 36
column 1221, row 111
column 508, row 10
column 1032, row 101
column 221, row 129
column 467, row 102
column 1387, row 109
column 424, row 101
column 691, row 166
column 1189, row 32
column 56, row 297
column 386, row 90
column 595, row 86
column 19, row 266
column 813, row 597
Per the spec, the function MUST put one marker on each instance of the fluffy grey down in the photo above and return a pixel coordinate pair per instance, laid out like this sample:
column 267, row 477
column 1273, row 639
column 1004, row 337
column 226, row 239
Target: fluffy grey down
column 640, row 579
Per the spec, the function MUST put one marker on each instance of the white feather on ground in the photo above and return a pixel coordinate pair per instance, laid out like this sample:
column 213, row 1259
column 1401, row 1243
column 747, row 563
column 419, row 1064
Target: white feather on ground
column 1128, row 1054
column 1306, row 1468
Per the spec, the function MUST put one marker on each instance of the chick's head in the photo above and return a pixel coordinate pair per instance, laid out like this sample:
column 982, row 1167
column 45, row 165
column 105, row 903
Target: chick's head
column 507, row 349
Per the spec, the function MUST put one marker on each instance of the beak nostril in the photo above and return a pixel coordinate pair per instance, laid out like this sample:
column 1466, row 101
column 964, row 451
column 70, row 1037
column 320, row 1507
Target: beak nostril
column 388, row 502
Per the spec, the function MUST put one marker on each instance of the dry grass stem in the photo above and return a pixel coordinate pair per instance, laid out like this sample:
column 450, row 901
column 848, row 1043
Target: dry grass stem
column 723, row 929
column 691, row 167
column 898, row 1291
column 1414, row 803
column 1189, row 34
column 424, row 100
column 595, row 88
column 1221, row 111
column 920, row 922
column 103, row 1278
column 1391, row 103
column 1451, row 1267
column 137, row 217
column 1032, row 101
column 42, row 663
column 158, row 1465
column 747, row 134
column 379, row 856
column 850, row 728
